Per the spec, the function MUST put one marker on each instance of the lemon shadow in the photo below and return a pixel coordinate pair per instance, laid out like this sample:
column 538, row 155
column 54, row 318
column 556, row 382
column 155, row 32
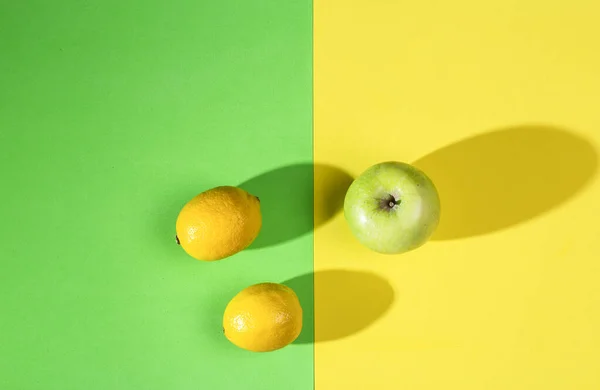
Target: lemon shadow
column 502, row 178
column 290, row 205
column 348, row 302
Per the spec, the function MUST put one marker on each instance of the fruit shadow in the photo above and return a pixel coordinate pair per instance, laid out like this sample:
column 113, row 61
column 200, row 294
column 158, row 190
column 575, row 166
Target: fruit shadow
column 502, row 178
column 295, row 199
column 347, row 302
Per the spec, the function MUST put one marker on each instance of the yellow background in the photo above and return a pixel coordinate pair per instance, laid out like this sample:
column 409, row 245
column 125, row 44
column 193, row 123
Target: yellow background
column 499, row 102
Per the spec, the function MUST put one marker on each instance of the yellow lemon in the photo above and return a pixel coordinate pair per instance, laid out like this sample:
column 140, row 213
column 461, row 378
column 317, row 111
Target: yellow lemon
column 218, row 223
column 263, row 317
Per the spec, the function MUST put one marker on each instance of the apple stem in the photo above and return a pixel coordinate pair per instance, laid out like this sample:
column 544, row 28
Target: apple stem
column 389, row 203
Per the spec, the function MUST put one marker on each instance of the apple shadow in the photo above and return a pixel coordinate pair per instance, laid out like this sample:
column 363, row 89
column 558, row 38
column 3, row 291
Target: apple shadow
column 502, row 178
column 295, row 199
column 348, row 302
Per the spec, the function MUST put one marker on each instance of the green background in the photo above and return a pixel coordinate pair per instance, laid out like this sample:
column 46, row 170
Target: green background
column 112, row 115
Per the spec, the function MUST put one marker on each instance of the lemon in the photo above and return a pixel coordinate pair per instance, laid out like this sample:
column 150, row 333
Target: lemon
column 263, row 317
column 218, row 223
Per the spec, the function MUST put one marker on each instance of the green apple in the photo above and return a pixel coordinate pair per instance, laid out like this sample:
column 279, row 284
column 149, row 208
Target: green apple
column 392, row 207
